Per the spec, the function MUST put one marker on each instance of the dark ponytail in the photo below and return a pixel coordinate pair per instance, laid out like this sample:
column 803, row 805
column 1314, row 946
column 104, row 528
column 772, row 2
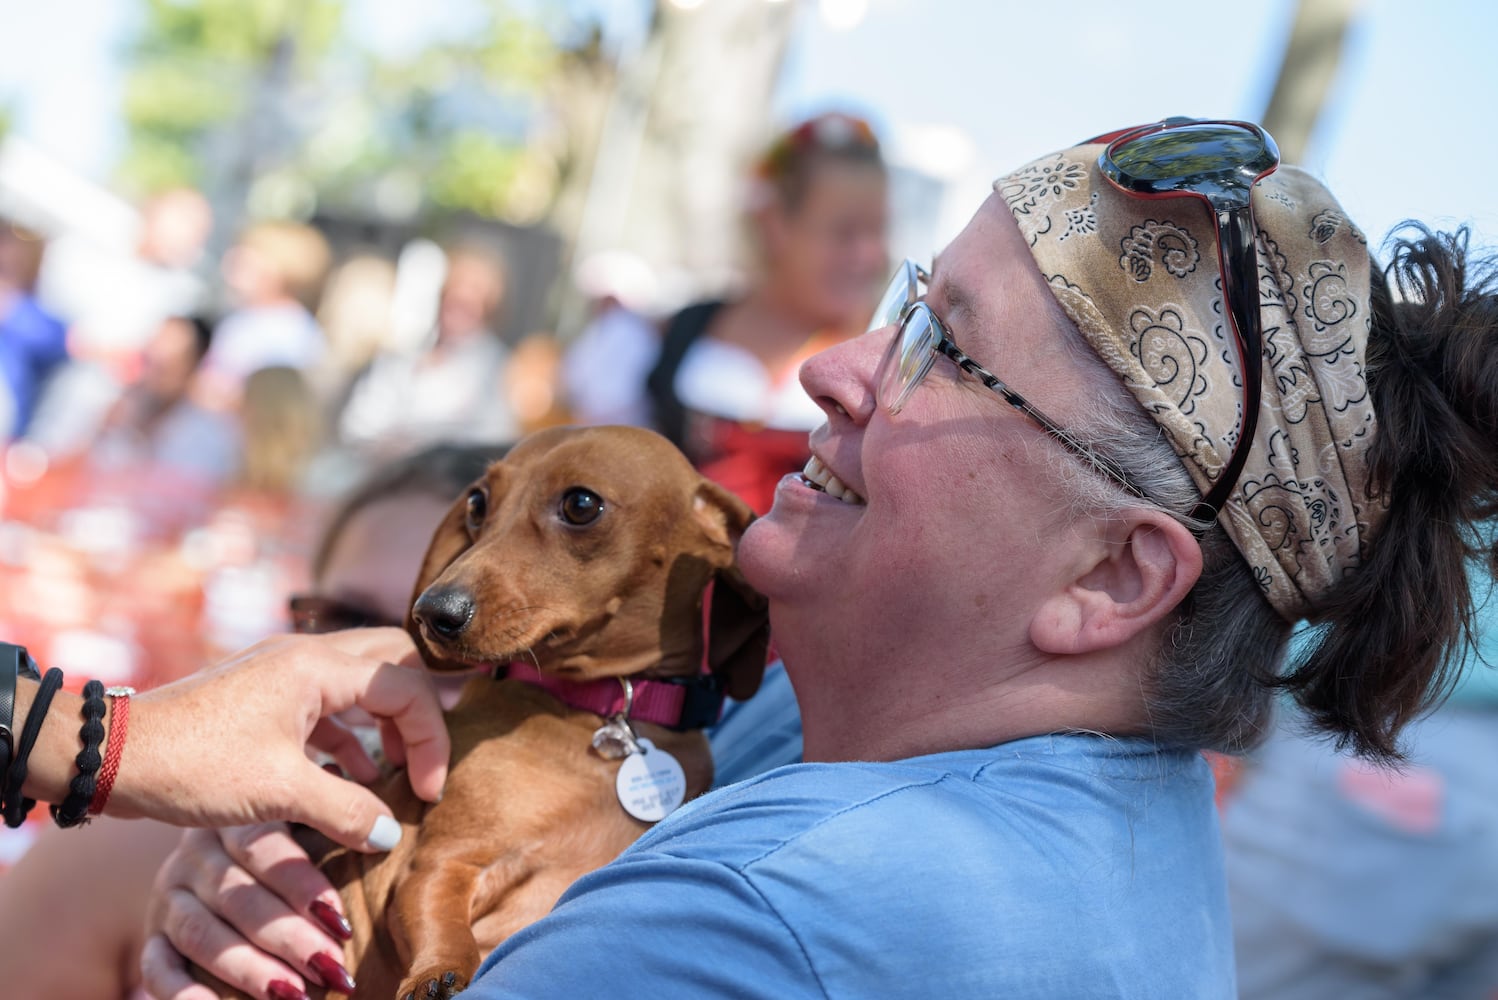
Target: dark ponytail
column 1394, row 631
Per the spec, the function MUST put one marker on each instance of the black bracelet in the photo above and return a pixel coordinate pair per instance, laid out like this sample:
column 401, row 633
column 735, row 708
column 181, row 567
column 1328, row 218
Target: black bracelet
column 74, row 808
column 10, row 669
column 16, row 805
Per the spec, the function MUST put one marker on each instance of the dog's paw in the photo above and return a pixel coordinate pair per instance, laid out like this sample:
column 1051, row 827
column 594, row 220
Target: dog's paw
column 433, row 986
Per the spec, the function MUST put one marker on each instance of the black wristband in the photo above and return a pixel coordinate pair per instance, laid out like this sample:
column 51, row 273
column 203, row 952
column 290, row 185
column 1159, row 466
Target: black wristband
column 16, row 805
column 74, row 808
column 10, row 668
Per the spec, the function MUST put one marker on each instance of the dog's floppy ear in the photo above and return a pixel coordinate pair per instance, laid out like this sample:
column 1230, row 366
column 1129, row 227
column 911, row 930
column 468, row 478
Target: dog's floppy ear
column 738, row 638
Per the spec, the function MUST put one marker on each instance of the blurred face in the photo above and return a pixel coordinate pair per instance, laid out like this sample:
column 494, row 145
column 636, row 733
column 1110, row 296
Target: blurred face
column 373, row 564
column 956, row 530
column 470, row 296
column 828, row 253
column 169, row 359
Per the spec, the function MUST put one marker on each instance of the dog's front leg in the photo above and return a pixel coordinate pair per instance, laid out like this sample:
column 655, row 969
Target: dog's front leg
column 434, row 912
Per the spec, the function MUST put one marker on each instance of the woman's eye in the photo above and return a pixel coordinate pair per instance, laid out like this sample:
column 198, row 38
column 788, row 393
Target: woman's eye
column 478, row 507
column 581, row 506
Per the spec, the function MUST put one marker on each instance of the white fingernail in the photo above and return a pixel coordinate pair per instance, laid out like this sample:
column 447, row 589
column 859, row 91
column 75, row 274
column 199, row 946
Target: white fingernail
column 386, row 834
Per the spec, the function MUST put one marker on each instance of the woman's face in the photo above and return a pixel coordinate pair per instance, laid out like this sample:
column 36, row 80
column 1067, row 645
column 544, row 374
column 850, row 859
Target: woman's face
column 961, row 527
column 828, row 252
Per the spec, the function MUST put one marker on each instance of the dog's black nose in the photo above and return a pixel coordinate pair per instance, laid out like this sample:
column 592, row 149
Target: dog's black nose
column 447, row 611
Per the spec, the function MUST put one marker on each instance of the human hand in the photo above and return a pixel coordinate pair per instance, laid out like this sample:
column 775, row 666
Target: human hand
column 226, row 747
column 247, row 905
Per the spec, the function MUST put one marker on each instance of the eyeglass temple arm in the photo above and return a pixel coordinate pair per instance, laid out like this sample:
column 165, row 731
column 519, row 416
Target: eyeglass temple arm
column 1239, row 263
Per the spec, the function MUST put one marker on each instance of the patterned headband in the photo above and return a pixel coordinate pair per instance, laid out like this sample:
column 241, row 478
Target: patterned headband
column 1140, row 280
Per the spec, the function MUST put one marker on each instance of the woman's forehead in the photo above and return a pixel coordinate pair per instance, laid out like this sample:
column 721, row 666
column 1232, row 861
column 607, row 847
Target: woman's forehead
column 985, row 273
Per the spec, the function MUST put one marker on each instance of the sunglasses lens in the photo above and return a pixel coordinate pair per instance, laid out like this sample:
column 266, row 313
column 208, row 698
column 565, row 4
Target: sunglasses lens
column 311, row 614
column 1218, row 161
column 911, row 354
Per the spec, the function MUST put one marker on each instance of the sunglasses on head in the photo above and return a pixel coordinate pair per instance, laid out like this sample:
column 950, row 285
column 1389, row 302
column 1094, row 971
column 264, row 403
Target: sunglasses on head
column 1217, row 162
column 314, row 613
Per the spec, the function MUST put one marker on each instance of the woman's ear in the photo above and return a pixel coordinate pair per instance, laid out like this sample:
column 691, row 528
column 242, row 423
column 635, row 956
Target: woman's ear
column 1132, row 576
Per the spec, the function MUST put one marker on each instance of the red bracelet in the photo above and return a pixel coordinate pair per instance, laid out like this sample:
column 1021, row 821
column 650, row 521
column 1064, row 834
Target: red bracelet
column 119, row 724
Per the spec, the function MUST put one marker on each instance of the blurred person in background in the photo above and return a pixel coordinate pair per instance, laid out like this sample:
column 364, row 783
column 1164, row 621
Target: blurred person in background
column 724, row 387
column 275, row 273
column 605, row 366
column 452, row 385
column 114, row 300
column 1362, row 883
column 83, row 893
column 357, row 316
column 156, row 425
column 283, row 430
column 33, row 342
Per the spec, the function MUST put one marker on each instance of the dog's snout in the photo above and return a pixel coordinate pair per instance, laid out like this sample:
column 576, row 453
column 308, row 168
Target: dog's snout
column 447, row 611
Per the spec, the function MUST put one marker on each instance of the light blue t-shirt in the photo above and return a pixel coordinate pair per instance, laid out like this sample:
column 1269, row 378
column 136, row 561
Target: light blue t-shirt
column 1057, row 866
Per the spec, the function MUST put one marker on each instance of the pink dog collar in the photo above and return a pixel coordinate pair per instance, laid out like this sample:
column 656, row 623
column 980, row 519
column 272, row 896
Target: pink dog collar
column 677, row 703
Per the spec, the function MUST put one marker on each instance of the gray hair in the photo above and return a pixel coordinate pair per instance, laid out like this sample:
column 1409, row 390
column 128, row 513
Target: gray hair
column 1209, row 685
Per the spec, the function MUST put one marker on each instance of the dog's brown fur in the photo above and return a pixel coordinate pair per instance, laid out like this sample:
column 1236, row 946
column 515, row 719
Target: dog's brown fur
column 528, row 806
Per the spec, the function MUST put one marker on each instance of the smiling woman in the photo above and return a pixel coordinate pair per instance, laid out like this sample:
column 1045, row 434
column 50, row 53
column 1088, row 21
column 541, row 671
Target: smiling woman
column 1007, row 660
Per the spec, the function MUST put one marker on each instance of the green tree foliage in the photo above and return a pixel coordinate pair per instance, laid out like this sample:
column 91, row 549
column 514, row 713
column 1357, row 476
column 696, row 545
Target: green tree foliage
column 278, row 100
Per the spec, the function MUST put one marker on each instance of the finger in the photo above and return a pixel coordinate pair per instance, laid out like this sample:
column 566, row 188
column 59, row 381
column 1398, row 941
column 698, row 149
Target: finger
column 390, row 740
column 407, row 698
column 332, row 737
column 199, row 936
column 348, row 813
column 163, row 973
column 388, row 643
column 259, row 911
column 274, row 858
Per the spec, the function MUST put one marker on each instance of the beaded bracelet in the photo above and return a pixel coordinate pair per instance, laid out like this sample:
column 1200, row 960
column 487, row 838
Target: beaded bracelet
column 74, row 808
column 16, row 805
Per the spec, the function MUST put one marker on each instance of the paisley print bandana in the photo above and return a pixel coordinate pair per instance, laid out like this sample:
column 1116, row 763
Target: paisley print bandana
column 1140, row 279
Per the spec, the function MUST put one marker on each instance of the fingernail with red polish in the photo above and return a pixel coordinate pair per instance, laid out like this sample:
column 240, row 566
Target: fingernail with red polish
column 280, row 989
column 332, row 768
column 333, row 974
column 332, row 921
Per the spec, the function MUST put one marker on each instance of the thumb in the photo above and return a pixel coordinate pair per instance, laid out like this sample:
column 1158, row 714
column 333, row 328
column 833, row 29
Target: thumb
column 345, row 811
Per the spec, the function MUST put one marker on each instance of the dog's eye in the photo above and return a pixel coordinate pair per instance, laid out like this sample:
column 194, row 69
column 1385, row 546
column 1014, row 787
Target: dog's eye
column 478, row 507
column 581, row 506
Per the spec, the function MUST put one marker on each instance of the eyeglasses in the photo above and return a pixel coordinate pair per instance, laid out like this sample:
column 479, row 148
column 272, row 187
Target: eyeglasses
column 314, row 613
column 1218, row 162
column 920, row 337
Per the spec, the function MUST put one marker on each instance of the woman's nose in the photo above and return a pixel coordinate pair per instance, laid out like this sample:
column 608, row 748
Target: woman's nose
column 841, row 379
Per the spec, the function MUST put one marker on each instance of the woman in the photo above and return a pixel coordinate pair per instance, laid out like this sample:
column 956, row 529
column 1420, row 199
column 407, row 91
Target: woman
column 1014, row 611
column 724, row 387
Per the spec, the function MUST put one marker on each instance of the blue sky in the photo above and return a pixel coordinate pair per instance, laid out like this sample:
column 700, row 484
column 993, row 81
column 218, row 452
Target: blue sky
column 1407, row 131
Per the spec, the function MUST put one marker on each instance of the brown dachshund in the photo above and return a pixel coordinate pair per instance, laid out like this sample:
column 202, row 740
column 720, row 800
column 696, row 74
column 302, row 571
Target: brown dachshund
column 579, row 560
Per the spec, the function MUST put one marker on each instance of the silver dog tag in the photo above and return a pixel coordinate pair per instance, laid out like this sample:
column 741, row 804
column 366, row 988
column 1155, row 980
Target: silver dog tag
column 615, row 739
column 650, row 783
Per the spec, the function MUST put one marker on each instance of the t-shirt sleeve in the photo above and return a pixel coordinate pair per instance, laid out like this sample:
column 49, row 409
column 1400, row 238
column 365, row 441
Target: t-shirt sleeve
column 653, row 925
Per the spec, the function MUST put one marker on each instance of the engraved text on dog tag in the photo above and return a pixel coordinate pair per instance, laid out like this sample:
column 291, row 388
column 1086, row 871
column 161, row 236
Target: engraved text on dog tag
column 650, row 783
